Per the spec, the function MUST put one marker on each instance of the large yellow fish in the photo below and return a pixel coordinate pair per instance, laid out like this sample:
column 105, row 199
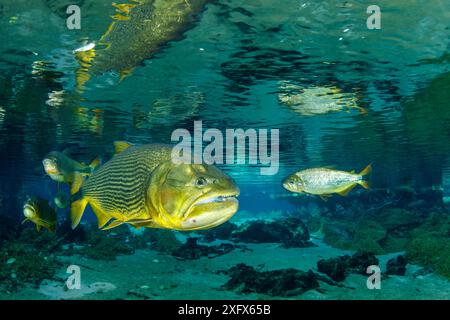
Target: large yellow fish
column 141, row 186
column 39, row 212
column 139, row 29
column 63, row 169
column 324, row 182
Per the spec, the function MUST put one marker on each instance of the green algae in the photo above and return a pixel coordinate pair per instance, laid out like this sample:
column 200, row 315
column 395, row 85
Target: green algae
column 430, row 246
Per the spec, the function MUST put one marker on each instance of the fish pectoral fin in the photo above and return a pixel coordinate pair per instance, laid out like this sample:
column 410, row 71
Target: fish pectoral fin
column 25, row 220
column 345, row 192
column 76, row 211
column 114, row 224
column 38, row 228
column 95, row 163
column 121, row 146
column 77, row 183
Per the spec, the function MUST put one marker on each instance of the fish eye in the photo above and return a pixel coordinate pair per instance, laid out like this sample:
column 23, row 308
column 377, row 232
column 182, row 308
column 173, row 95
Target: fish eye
column 200, row 182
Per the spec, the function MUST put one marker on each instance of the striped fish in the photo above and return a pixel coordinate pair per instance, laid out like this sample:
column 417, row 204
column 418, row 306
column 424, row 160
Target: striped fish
column 141, row 186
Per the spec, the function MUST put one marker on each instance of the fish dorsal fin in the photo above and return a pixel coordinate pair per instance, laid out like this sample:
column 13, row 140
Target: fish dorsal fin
column 121, row 146
column 66, row 152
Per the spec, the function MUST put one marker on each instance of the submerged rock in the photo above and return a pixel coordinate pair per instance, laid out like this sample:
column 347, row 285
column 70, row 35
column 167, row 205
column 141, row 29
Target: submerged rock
column 282, row 283
column 335, row 268
column 396, row 266
column 340, row 267
column 291, row 232
column 192, row 250
column 222, row 232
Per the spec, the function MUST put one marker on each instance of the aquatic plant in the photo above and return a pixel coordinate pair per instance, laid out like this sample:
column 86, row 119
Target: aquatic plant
column 429, row 245
column 102, row 245
column 22, row 264
column 160, row 240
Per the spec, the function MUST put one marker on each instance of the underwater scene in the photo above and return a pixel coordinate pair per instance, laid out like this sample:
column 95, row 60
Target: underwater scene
column 227, row 149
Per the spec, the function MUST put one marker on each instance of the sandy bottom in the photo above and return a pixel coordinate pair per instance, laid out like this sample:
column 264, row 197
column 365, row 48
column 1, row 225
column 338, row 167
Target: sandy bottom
column 150, row 275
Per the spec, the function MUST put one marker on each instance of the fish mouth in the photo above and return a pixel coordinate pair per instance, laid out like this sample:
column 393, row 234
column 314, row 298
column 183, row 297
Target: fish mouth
column 210, row 211
column 220, row 198
column 50, row 166
column 29, row 211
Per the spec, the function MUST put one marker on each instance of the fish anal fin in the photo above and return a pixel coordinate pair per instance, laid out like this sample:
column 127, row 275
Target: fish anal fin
column 102, row 218
column 325, row 197
column 121, row 146
column 345, row 192
column 113, row 224
column 76, row 211
column 77, row 183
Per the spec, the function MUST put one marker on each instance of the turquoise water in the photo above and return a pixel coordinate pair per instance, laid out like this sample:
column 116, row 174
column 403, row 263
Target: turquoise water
column 236, row 66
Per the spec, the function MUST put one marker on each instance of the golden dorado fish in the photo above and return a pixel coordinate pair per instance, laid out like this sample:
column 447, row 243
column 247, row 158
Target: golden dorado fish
column 139, row 30
column 141, row 186
column 39, row 212
column 63, row 169
column 324, row 182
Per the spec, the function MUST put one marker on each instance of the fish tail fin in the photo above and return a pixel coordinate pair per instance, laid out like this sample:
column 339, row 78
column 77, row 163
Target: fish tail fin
column 364, row 182
column 76, row 211
column 366, row 171
column 95, row 163
column 77, row 183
